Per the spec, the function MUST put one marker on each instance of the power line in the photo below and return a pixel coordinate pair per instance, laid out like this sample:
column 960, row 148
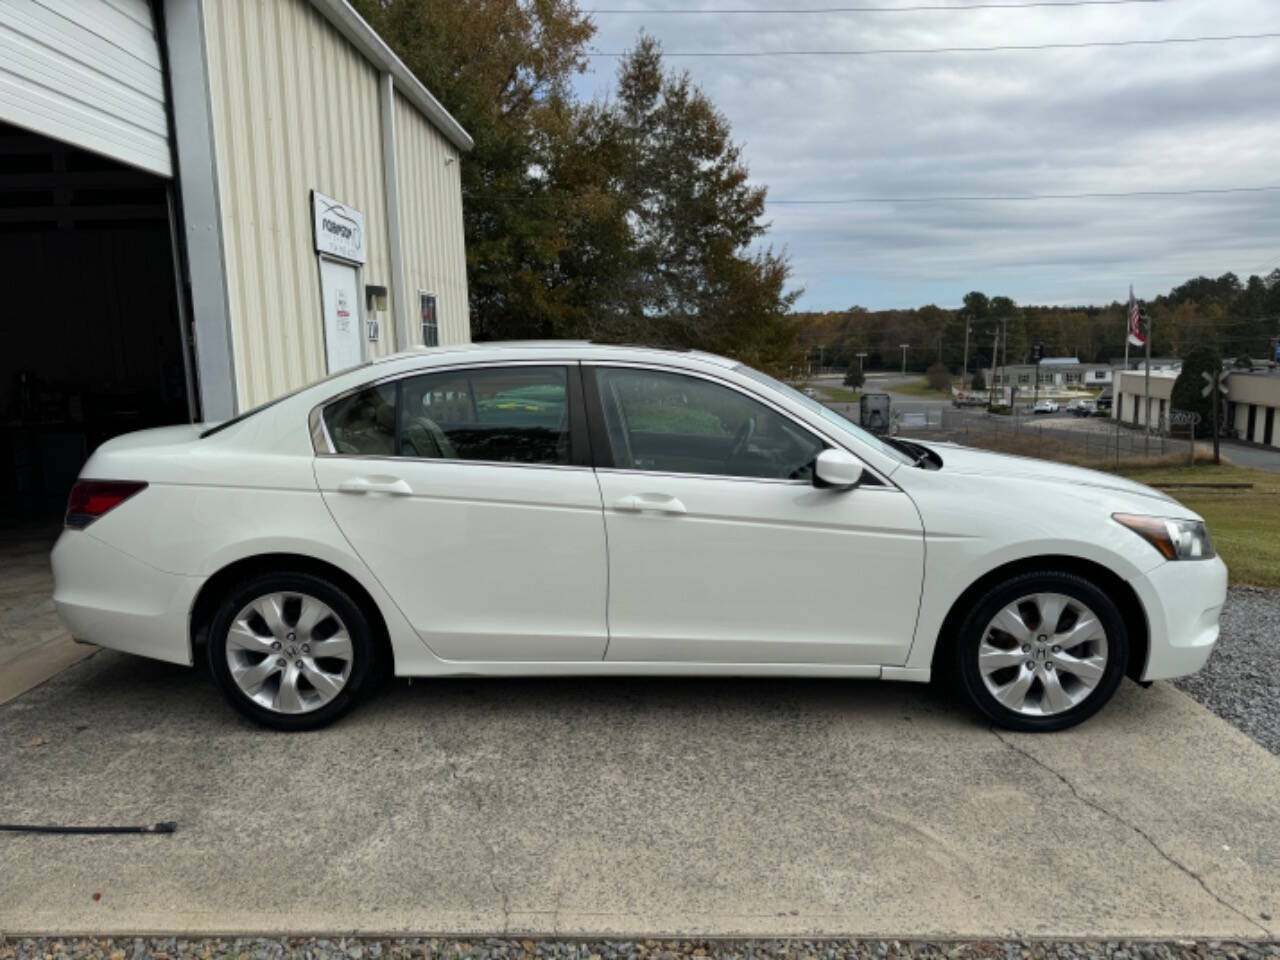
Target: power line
column 930, row 7
column 968, row 198
column 1139, row 194
column 1012, row 47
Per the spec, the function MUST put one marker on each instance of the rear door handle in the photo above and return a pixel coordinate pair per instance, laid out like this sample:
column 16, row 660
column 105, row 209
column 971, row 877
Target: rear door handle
column 650, row 503
column 389, row 485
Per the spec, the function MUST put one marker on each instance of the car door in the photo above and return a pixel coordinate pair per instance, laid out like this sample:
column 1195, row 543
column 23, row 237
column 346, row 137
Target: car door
column 722, row 549
column 469, row 494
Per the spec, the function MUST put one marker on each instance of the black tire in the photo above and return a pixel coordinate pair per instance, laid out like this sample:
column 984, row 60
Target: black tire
column 364, row 666
column 965, row 649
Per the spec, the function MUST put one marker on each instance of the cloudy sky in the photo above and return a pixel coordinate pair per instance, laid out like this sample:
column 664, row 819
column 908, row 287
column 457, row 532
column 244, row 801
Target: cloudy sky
column 1098, row 120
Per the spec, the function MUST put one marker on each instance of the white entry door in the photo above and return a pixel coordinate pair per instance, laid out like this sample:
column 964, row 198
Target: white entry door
column 340, row 293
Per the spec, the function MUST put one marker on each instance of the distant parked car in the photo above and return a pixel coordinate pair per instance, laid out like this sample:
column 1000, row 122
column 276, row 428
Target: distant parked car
column 1080, row 408
column 1045, row 406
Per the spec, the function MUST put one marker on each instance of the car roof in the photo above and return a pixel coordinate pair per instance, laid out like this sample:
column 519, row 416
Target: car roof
column 585, row 349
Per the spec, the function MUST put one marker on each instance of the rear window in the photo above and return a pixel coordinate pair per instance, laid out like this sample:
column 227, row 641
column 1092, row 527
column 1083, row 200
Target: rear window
column 241, row 417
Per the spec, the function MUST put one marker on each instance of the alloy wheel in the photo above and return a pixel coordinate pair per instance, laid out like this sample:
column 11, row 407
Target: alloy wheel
column 289, row 652
column 1043, row 654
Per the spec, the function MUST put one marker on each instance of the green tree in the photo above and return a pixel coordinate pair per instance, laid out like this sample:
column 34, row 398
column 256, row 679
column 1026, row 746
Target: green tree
column 854, row 377
column 696, row 216
column 531, row 188
column 979, row 381
column 1186, row 389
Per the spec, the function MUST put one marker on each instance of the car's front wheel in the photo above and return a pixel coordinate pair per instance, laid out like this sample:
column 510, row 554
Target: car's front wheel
column 1042, row 651
column 292, row 651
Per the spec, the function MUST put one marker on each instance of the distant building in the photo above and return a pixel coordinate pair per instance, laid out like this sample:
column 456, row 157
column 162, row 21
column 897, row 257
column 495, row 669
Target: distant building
column 1253, row 399
column 1056, row 372
column 1158, row 364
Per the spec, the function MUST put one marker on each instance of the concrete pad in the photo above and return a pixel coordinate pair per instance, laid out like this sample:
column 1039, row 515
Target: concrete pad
column 628, row 807
column 34, row 645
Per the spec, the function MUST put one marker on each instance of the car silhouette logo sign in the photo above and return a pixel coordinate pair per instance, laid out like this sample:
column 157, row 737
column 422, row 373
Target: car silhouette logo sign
column 339, row 230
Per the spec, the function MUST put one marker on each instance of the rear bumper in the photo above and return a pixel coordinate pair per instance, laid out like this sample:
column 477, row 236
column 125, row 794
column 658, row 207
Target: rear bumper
column 1183, row 601
column 107, row 597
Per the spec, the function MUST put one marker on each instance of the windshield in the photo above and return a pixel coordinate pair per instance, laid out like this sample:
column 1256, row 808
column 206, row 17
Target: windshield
column 822, row 410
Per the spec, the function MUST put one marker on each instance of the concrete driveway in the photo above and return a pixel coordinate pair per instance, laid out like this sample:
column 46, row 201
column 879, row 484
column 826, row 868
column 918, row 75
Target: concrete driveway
column 631, row 807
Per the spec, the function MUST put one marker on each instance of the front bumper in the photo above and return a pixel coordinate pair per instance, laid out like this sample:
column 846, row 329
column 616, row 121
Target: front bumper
column 1182, row 600
column 107, row 597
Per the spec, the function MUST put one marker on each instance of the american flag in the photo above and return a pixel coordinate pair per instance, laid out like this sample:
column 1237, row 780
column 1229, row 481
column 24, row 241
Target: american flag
column 1135, row 326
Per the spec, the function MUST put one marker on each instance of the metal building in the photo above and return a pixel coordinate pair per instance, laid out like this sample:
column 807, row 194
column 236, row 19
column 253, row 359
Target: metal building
column 205, row 204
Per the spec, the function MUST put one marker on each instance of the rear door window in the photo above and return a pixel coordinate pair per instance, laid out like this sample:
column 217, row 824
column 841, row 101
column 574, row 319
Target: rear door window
column 495, row 414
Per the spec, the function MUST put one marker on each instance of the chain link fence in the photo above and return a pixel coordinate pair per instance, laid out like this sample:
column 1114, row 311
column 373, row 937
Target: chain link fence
column 1101, row 439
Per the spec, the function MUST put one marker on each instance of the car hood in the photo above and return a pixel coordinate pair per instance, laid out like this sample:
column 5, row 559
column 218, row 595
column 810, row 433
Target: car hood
column 1004, row 466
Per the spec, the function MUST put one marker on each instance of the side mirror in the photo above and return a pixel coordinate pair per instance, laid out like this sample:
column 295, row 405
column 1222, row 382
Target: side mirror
column 837, row 469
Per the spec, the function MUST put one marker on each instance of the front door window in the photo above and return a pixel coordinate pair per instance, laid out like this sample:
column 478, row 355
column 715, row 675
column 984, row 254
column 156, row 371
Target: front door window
column 671, row 423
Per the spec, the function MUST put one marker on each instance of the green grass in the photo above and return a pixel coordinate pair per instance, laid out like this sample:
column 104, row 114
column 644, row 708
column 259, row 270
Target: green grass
column 918, row 388
column 838, row 394
column 1244, row 524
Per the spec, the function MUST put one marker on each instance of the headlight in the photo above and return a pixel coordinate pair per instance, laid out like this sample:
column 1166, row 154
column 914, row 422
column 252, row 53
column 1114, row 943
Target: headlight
column 1175, row 539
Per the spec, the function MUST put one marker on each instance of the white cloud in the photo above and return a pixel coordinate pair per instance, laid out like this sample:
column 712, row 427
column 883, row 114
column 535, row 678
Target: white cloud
column 1169, row 117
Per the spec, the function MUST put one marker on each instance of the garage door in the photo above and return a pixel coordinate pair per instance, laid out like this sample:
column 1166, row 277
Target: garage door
column 86, row 72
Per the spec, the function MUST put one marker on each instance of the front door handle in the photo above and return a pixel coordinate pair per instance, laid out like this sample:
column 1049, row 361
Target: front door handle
column 650, row 503
column 389, row 485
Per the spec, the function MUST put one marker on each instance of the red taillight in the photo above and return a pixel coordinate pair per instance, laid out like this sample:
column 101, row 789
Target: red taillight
column 90, row 499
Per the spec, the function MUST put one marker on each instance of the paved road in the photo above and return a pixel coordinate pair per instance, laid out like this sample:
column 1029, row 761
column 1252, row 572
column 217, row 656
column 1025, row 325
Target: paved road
column 621, row 807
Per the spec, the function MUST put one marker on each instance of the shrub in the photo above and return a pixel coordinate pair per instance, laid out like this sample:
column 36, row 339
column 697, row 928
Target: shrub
column 854, row 377
column 939, row 376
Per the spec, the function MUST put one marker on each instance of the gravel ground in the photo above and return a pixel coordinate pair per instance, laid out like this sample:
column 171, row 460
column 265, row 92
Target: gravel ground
column 312, row 948
column 1241, row 682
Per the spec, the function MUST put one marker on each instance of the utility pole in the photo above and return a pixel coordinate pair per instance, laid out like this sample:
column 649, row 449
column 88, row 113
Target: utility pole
column 1004, row 349
column 995, row 356
column 1146, row 398
column 904, row 347
column 1217, row 402
column 964, row 373
column 1037, row 352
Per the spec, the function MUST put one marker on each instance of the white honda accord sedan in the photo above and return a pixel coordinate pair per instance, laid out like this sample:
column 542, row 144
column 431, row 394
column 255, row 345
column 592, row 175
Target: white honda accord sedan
column 562, row 508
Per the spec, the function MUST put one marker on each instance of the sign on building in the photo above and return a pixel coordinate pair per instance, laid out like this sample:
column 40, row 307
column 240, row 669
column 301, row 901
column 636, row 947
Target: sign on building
column 339, row 229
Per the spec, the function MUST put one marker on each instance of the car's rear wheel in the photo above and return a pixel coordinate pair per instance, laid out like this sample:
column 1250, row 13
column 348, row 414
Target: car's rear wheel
column 1042, row 651
column 292, row 651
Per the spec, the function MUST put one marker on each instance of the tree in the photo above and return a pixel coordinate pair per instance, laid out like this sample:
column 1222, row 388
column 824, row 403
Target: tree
column 695, row 216
column 939, row 376
column 854, row 377
column 979, row 381
column 627, row 219
column 532, row 185
column 1186, row 389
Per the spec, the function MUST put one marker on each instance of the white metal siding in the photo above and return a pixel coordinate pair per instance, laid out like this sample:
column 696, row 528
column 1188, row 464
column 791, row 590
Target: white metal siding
column 295, row 108
column 431, row 220
column 86, row 72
